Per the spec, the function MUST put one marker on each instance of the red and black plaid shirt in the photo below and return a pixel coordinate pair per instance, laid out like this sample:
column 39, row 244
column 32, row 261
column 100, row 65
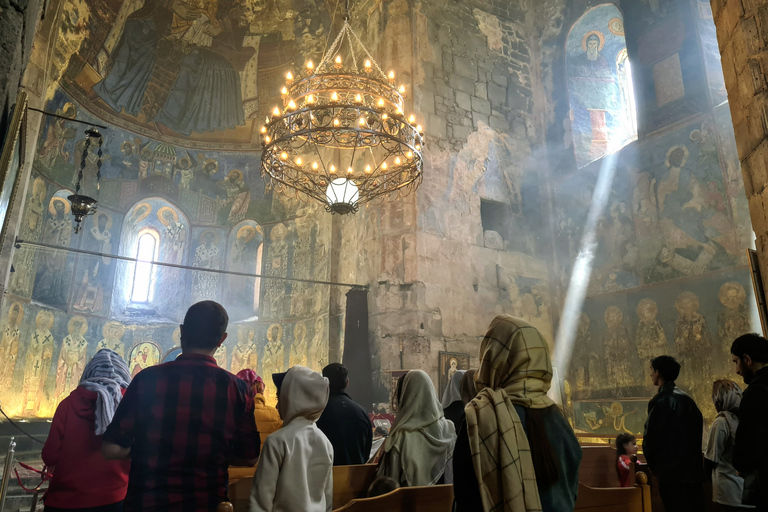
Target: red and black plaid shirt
column 183, row 421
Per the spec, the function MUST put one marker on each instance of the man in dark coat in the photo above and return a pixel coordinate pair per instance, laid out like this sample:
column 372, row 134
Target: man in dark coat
column 344, row 422
column 672, row 440
column 750, row 454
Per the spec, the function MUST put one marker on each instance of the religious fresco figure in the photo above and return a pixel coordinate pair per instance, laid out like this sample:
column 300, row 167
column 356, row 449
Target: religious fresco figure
column 50, row 281
column 238, row 195
column 174, row 235
column 245, row 353
column 732, row 321
column 51, row 148
column 177, row 64
column 37, row 364
column 205, row 285
column 72, row 358
column 185, row 171
column 693, row 345
column 273, row 361
column 298, row 355
column 221, row 356
column 621, row 367
column 276, row 265
column 587, row 364
column 244, row 256
column 649, row 336
column 91, row 159
column 97, row 274
column 113, row 334
column 9, row 344
column 318, row 348
column 301, row 266
column 31, row 228
column 143, row 355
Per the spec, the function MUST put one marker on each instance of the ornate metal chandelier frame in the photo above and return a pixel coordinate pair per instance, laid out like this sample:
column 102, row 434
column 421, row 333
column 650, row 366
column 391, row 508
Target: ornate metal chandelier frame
column 342, row 137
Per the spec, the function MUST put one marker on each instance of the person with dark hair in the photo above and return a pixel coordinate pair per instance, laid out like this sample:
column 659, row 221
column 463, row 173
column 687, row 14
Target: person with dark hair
column 750, row 454
column 453, row 405
column 267, row 418
column 626, row 447
column 382, row 486
column 82, row 479
column 344, row 422
column 515, row 451
column 672, row 440
column 182, row 423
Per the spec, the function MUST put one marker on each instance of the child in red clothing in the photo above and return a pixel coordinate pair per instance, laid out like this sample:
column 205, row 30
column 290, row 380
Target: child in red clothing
column 626, row 447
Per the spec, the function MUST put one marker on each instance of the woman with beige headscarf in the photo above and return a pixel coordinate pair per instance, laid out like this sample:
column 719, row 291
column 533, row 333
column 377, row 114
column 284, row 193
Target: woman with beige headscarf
column 727, row 485
column 516, row 451
column 419, row 448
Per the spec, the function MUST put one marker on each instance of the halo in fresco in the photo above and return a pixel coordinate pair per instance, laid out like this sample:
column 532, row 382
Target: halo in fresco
column 140, row 212
column 83, row 325
column 216, row 238
column 95, row 219
column 593, row 33
column 683, row 158
column 55, row 200
column 616, row 26
column 161, row 215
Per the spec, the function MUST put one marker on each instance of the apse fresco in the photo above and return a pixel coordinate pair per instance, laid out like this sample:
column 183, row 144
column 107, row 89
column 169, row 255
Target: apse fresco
column 191, row 72
column 201, row 210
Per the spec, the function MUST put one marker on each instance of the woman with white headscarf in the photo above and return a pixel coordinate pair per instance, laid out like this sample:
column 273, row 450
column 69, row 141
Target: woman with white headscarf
column 516, row 452
column 420, row 446
column 453, row 405
column 83, row 479
column 727, row 485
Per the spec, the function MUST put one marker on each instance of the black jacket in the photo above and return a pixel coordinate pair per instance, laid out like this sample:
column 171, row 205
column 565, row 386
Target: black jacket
column 750, row 453
column 348, row 428
column 672, row 442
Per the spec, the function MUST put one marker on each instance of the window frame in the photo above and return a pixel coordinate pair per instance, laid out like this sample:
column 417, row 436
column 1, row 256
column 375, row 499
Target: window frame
column 152, row 268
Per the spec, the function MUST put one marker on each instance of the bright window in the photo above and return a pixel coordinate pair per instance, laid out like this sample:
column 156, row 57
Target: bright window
column 627, row 94
column 144, row 271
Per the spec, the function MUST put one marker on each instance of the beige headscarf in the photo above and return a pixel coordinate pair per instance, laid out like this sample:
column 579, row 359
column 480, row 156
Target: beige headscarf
column 421, row 443
column 514, row 369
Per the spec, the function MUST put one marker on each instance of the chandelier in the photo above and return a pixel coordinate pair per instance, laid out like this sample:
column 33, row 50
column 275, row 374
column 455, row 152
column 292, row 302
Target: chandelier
column 82, row 205
column 342, row 137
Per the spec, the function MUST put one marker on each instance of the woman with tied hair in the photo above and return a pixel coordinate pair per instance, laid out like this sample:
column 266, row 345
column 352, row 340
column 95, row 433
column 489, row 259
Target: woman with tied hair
column 83, row 479
column 727, row 485
column 420, row 445
column 516, row 451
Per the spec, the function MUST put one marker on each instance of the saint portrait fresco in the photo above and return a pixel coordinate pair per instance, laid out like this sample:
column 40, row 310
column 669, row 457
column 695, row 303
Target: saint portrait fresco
column 37, row 363
column 52, row 278
column 72, row 358
column 143, row 355
column 298, row 355
column 244, row 255
column 96, row 273
column 205, row 285
column 245, row 352
column 113, row 334
column 9, row 343
column 273, row 361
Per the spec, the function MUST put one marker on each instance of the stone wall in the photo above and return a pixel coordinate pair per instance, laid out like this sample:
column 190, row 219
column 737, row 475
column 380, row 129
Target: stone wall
column 742, row 33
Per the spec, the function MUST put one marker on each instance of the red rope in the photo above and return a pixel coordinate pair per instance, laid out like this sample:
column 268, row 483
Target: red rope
column 44, row 476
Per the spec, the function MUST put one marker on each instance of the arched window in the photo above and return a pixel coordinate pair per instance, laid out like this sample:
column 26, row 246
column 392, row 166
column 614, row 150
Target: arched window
column 600, row 92
column 144, row 271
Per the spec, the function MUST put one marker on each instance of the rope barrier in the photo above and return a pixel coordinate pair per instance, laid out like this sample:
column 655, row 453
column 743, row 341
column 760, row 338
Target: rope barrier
column 44, row 476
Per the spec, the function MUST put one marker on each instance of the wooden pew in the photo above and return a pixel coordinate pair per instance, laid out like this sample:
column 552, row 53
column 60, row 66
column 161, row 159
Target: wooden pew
column 598, row 467
column 621, row 499
column 435, row 498
column 349, row 482
column 352, row 482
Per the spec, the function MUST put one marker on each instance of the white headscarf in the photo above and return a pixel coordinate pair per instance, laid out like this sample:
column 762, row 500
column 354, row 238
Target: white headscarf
column 303, row 393
column 452, row 391
column 726, row 395
column 422, row 440
column 106, row 375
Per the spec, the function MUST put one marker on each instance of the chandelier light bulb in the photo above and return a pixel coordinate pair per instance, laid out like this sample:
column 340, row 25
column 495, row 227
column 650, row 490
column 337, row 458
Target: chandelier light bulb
column 391, row 76
column 291, row 105
column 289, row 76
column 310, row 99
column 267, row 139
column 284, row 91
column 409, row 155
column 332, row 170
column 384, row 166
column 362, row 121
column 401, row 89
column 384, row 116
column 418, row 147
column 342, row 195
column 338, row 61
column 310, row 65
column 412, row 119
column 336, row 122
column 358, row 98
column 397, row 160
column 418, row 128
column 381, row 102
column 367, row 65
column 298, row 161
column 367, row 168
column 263, row 129
column 314, row 166
column 276, row 112
column 284, row 155
column 400, row 110
column 349, row 170
column 334, row 96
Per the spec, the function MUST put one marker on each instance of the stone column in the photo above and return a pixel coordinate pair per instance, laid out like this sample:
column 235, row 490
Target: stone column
column 742, row 34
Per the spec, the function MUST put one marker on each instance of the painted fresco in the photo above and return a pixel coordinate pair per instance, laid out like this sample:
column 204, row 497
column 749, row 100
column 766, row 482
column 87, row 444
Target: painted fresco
column 610, row 417
column 600, row 103
column 200, row 72
column 694, row 320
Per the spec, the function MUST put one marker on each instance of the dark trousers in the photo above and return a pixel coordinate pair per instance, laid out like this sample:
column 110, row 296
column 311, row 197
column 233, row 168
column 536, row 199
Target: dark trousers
column 114, row 507
column 682, row 497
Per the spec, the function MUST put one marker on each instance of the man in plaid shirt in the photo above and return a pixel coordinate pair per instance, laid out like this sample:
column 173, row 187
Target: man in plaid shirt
column 184, row 422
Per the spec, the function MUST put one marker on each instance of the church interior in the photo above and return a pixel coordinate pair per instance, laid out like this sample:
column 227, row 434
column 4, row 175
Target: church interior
column 596, row 168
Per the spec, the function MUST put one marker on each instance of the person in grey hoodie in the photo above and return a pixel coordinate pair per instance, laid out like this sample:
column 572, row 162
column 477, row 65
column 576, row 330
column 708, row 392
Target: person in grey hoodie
column 296, row 463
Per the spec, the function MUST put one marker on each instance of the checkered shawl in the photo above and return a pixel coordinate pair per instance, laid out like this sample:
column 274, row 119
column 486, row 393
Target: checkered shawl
column 514, row 369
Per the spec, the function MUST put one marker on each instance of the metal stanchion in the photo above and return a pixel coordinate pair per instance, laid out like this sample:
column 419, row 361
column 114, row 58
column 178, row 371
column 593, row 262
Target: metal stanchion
column 6, row 473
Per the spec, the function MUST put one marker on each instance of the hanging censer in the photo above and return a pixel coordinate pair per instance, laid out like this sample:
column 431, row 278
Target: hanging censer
column 83, row 206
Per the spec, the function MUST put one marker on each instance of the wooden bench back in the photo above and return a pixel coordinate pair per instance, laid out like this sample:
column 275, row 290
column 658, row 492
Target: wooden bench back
column 621, row 499
column 434, row 498
column 598, row 467
column 351, row 482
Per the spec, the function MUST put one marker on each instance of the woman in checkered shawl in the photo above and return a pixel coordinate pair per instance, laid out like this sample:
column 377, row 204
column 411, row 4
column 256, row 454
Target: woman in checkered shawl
column 516, row 451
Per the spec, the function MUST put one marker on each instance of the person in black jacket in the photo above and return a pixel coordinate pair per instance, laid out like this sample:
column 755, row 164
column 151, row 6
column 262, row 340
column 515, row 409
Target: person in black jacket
column 750, row 454
column 344, row 422
column 672, row 440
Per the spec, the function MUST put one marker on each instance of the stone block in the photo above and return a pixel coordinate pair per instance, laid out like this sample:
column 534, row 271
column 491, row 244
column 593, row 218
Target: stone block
column 465, row 67
column 497, row 94
column 500, row 80
column 479, row 118
column 463, row 100
column 447, row 61
column 442, row 89
column 462, row 84
column 755, row 165
column 481, row 90
column 461, row 132
column 481, row 105
column 747, row 29
column 499, row 123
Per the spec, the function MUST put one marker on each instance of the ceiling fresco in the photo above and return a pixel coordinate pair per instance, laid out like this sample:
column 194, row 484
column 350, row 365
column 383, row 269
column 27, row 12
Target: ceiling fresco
column 197, row 72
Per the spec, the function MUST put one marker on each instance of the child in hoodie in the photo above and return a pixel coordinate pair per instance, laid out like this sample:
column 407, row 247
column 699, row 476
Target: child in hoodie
column 296, row 463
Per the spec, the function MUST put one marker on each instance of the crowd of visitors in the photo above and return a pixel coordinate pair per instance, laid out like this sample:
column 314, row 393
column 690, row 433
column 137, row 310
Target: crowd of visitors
column 164, row 441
